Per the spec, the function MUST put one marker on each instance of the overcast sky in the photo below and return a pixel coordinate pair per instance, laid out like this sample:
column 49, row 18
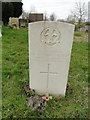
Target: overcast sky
column 62, row 8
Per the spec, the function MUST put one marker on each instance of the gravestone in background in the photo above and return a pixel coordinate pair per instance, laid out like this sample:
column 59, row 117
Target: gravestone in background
column 14, row 20
column 50, row 45
column 23, row 22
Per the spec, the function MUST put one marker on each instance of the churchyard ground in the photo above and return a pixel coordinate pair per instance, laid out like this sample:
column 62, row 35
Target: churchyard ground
column 15, row 75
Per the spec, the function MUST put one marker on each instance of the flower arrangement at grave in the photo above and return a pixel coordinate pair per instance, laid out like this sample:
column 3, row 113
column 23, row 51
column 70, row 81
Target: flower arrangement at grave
column 10, row 26
column 13, row 26
column 35, row 101
column 29, row 92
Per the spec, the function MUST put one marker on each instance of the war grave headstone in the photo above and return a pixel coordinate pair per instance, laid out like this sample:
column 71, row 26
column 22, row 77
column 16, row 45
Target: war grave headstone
column 50, row 45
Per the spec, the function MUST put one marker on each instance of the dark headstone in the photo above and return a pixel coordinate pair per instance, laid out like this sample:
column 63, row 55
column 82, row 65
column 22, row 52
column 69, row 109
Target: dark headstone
column 33, row 17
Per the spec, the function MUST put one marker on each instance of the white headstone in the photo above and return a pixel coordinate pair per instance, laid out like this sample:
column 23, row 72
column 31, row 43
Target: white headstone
column 14, row 20
column 50, row 45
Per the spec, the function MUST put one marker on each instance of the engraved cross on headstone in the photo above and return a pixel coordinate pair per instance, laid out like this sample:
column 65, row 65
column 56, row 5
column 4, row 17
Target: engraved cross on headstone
column 48, row 73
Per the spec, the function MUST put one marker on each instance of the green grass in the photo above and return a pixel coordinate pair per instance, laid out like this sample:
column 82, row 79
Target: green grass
column 15, row 75
column 80, row 36
column 77, row 33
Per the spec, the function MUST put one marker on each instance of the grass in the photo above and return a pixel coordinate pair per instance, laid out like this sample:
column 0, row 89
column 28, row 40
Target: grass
column 77, row 33
column 15, row 75
column 80, row 36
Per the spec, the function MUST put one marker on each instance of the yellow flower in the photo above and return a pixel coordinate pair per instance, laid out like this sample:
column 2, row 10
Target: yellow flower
column 13, row 23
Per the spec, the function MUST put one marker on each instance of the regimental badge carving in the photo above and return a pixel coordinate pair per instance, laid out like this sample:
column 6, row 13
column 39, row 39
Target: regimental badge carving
column 50, row 36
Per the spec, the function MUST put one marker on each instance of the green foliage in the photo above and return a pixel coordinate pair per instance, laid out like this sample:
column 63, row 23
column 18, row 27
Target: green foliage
column 7, row 11
column 15, row 75
column 11, row 9
column 28, row 91
column 17, row 8
column 87, row 23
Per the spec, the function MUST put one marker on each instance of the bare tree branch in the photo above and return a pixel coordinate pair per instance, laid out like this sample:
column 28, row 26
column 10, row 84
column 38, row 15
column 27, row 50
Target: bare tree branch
column 24, row 15
column 80, row 11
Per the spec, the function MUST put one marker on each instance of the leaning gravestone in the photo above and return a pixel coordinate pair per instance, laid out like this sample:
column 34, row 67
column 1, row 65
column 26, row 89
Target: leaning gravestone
column 50, row 45
column 13, row 20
